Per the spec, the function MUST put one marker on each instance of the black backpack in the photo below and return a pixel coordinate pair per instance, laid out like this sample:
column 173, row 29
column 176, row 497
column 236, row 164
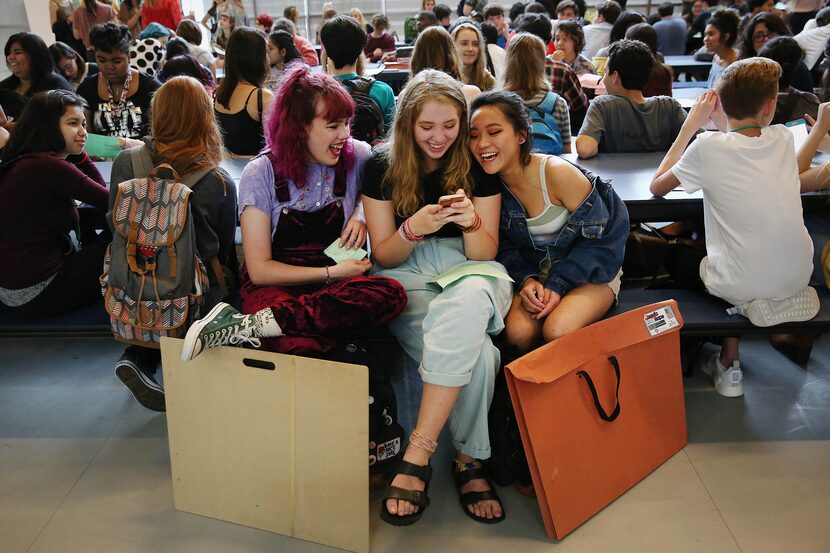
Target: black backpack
column 507, row 462
column 368, row 124
column 385, row 433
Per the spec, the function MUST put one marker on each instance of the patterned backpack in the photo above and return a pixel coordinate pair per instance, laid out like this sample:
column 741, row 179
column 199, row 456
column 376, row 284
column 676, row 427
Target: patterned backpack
column 154, row 282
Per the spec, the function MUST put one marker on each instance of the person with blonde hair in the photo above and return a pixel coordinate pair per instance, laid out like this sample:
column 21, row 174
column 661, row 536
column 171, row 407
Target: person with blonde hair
column 185, row 135
column 416, row 236
column 470, row 45
column 524, row 74
column 434, row 49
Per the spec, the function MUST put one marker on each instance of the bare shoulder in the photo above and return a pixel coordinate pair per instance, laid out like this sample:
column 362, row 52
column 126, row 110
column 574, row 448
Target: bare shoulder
column 566, row 183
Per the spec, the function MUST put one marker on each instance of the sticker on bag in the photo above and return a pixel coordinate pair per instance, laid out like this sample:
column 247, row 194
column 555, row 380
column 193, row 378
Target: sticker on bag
column 388, row 449
column 660, row 320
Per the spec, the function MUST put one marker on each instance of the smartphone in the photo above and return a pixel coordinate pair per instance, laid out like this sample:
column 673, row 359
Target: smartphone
column 445, row 201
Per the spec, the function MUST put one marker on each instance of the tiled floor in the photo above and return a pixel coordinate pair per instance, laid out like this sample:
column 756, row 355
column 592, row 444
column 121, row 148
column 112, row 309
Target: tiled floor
column 83, row 468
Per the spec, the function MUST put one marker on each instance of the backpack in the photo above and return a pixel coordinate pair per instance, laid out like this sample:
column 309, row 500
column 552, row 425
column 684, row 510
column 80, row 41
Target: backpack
column 385, row 433
column 507, row 463
column 368, row 124
column 546, row 136
column 154, row 283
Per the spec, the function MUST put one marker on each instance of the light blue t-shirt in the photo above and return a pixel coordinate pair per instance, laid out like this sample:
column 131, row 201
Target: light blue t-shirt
column 713, row 75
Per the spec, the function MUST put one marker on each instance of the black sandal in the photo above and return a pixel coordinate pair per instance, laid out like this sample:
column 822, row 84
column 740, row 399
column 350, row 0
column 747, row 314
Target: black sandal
column 473, row 472
column 418, row 498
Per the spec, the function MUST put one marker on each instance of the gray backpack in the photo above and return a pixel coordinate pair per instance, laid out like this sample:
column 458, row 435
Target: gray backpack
column 154, row 283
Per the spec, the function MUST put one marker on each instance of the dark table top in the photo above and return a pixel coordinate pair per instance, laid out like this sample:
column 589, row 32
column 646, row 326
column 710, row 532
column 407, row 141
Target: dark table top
column 630, row 175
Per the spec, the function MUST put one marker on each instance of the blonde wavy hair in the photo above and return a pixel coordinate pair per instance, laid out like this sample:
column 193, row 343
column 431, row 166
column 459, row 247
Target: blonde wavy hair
column 477, row 74
column 184, row 127
column 524, row 66
column 434, row 49
column 406, row 161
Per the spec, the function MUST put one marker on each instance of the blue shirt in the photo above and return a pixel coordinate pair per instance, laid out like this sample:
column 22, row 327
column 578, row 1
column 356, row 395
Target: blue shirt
column 671, row 36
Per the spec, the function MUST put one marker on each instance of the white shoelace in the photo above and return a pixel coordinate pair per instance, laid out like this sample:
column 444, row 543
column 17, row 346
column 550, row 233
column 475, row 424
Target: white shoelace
column 234, row 335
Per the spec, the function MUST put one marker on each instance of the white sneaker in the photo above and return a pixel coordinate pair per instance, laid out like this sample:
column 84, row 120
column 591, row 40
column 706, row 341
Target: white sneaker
column 728, row 382
column 800, row 307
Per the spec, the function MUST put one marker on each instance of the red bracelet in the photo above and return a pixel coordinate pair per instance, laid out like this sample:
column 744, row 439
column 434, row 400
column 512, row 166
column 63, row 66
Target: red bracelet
column 475, row 226
column 407, row 234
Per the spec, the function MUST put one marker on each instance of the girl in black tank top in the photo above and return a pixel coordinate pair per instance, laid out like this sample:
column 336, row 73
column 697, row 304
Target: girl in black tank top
column 242, row 134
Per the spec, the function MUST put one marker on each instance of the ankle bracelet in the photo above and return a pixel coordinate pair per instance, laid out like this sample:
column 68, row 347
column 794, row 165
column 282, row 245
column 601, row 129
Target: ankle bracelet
column 419, row 440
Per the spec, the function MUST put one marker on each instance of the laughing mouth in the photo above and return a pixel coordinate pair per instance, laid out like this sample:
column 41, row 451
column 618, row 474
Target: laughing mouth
column 489, row 156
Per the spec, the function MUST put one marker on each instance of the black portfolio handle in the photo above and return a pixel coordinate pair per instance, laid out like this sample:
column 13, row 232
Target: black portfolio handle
column 600, row 411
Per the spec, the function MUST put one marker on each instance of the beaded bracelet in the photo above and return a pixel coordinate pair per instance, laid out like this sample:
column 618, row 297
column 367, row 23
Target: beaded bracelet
column 406, row 233
column 474, row 226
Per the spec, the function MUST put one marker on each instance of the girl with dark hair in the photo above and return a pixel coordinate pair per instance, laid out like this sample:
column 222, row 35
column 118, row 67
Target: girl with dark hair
column 186, row 65
column 189, row 30
column 565, row 280
column 28, row 58
column 662, row 76
column 85, row 17
column 118, row 98
column 50, row 265
column 624, row 21
column 70, row 64
column 240, row 100
column 281, row 52
column 416, row 236
column 763, row 28
column 720, row 37
column 792, row 103
column 129, row 13
column 186, row 136
column 294, row 201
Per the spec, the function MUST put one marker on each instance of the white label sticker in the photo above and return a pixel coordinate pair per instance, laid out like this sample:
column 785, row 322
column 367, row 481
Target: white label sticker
column 660, row 320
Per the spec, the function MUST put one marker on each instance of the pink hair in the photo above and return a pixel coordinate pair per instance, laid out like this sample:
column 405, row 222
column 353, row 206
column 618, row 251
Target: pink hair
column 295, row 107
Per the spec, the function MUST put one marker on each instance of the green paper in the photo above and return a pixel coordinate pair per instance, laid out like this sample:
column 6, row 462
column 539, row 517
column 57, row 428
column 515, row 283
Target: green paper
column 468, row 269
column 105, row 147
column 340, row 253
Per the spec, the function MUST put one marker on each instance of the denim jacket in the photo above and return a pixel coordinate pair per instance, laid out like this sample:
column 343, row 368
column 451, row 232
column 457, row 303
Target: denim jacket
column 589, row 248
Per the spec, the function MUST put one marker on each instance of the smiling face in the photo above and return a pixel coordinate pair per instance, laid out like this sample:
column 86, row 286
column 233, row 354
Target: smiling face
column 761, row 35
column 19, row 62
column 325, row 138
column 494, row 142
column 436, row 129
column 73, row 129
column 467, row 44
column 113, row 65
column 566, row 44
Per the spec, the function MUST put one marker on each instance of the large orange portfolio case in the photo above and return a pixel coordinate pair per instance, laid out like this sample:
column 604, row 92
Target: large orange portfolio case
column 598, row 410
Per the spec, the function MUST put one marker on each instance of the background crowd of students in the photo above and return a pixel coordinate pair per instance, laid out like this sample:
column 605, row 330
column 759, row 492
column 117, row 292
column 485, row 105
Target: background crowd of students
column 490, row 103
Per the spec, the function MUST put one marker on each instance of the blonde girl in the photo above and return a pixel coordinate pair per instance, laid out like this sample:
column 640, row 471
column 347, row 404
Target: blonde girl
column 470, row 45
column 434, row 49
column 446, row 331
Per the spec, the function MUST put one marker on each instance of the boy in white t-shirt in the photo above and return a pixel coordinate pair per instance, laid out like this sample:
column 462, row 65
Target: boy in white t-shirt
column 758, row 253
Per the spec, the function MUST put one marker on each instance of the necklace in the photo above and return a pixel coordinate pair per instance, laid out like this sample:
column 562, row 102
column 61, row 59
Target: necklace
column 745, row 127
column 117, row 108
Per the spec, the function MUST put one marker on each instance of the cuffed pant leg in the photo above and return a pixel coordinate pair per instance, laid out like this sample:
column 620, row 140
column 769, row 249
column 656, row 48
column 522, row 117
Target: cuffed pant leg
column 458, row 352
